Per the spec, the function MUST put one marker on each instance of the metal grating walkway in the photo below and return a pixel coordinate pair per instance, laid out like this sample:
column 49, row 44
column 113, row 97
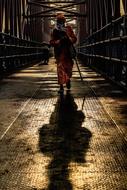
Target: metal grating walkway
column 70, row 142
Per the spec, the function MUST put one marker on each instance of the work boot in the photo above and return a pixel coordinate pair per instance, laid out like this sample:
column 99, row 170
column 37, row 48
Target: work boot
column 68, row 84
column 61, row 90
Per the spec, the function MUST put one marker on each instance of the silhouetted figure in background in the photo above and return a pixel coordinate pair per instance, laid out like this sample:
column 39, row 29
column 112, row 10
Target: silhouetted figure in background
column 65, row 140
column 45, row 54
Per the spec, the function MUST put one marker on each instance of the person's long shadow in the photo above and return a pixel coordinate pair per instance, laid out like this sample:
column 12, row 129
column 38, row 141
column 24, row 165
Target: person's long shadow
column 65, row 140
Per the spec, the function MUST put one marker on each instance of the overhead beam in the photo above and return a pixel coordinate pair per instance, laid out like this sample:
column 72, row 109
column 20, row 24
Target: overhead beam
column 54, row 2
column 47, row 6
column 61, row 8
column 54, row 15
column 38, row 4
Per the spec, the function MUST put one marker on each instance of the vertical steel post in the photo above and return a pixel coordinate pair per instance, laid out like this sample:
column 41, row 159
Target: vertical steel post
column 106, row 11
column 1, row 15
column 100, row 10
column 15, row 17
column 11, row 17
column 6, row 17
column 19, row 18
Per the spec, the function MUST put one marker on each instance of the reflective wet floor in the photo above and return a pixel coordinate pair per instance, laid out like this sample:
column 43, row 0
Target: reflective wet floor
column 71, row 141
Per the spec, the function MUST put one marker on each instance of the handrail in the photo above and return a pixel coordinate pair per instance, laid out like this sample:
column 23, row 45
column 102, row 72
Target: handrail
column 16, row 52
column 104, row 27
column 22, row 40
column 106, row 49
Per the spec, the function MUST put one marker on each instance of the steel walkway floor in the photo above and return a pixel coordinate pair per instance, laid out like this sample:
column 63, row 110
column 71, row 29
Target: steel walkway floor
column 77, row 141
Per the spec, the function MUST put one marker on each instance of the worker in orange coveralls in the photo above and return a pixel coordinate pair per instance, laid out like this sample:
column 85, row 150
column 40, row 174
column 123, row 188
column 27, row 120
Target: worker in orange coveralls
column 61, row 39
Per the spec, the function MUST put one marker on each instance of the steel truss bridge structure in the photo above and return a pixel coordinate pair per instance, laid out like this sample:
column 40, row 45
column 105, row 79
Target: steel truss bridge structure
column 100, row 25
